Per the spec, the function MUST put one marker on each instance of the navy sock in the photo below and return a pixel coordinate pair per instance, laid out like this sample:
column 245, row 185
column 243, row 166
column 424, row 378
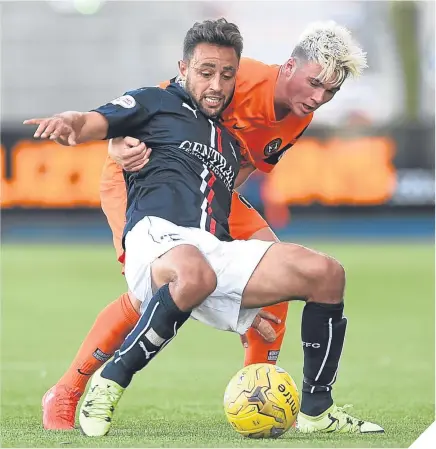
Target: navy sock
column 322, row 332
column 156, row 327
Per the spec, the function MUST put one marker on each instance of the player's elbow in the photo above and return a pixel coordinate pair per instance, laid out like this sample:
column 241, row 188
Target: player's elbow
column 243, row 175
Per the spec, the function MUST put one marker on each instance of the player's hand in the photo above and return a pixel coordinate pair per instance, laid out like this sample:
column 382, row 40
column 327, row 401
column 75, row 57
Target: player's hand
column 263, row 326
column 59, row 128
column 130, row 153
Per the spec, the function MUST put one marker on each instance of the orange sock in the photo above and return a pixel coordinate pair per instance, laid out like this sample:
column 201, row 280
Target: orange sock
column 259, row 351
column 106, row 335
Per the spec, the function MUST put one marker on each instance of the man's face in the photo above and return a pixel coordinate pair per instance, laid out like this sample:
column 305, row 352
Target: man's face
column 210, row 77
column 304, row 92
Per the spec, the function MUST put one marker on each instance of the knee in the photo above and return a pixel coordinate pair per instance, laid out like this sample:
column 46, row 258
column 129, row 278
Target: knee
column 203, row 280
column 335, row 271
column 195, row 284
column 330, row 276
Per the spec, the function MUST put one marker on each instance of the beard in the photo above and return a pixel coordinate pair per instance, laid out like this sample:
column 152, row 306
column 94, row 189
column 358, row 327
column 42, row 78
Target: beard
column 211, row 113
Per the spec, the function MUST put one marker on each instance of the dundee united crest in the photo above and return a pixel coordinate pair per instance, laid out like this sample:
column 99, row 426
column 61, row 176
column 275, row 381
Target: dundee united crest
column 272, row 147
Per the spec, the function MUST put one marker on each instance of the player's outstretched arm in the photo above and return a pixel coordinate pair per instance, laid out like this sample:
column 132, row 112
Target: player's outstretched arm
column 71, row 127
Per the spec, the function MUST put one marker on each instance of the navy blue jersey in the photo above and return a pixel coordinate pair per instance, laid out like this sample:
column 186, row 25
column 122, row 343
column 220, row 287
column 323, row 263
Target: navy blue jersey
column 192, row 169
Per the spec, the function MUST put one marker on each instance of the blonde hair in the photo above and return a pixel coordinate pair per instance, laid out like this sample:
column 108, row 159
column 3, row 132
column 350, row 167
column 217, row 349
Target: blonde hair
column 332, row 47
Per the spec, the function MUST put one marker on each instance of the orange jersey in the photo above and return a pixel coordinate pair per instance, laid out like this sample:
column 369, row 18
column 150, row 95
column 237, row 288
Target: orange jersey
column 251, row 115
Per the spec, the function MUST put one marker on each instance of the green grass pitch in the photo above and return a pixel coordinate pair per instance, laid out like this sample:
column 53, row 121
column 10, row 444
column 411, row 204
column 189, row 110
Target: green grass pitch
column 51, row 295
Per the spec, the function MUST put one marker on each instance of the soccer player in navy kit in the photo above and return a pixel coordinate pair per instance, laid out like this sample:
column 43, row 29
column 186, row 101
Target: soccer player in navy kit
column 180, row 260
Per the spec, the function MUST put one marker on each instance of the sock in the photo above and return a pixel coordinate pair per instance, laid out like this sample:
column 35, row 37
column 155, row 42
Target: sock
column 323, row 333
column 259, row 351
column 157, row 326
column 106, row 335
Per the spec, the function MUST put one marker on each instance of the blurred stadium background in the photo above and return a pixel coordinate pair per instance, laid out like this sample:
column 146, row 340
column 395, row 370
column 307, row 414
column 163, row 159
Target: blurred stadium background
column 360, row 184
column 369, row 154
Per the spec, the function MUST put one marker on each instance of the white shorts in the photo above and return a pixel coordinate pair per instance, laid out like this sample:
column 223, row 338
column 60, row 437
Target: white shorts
column 233, row 263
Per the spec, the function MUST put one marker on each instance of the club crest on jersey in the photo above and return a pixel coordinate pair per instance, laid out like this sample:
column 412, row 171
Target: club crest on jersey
column 126, row 101
column 272, row 147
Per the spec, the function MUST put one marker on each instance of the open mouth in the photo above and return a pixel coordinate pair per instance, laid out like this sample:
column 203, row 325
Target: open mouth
column 308, row 108
column 212, row 101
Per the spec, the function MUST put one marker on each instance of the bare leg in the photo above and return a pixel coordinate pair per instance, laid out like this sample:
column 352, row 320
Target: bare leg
column 289, row 270
column 183, row 279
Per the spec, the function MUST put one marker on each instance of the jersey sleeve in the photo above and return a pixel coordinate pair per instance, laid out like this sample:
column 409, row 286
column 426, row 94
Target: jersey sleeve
column 134, row 108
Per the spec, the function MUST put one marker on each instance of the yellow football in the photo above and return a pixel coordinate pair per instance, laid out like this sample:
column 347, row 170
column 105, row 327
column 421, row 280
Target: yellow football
column 261, row 401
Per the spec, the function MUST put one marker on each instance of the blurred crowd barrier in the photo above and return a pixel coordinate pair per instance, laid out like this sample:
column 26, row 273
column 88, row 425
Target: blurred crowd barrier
column 366, row 167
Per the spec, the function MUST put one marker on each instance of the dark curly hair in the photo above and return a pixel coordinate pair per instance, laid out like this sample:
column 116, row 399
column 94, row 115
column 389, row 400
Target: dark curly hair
column 216, row 32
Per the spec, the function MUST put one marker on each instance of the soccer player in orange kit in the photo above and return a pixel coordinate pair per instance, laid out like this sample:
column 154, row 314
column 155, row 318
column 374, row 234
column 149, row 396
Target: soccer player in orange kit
column 271, row 107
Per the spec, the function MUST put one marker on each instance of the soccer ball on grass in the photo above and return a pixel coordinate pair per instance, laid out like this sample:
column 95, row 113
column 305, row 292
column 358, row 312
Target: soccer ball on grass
column 261, row 401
